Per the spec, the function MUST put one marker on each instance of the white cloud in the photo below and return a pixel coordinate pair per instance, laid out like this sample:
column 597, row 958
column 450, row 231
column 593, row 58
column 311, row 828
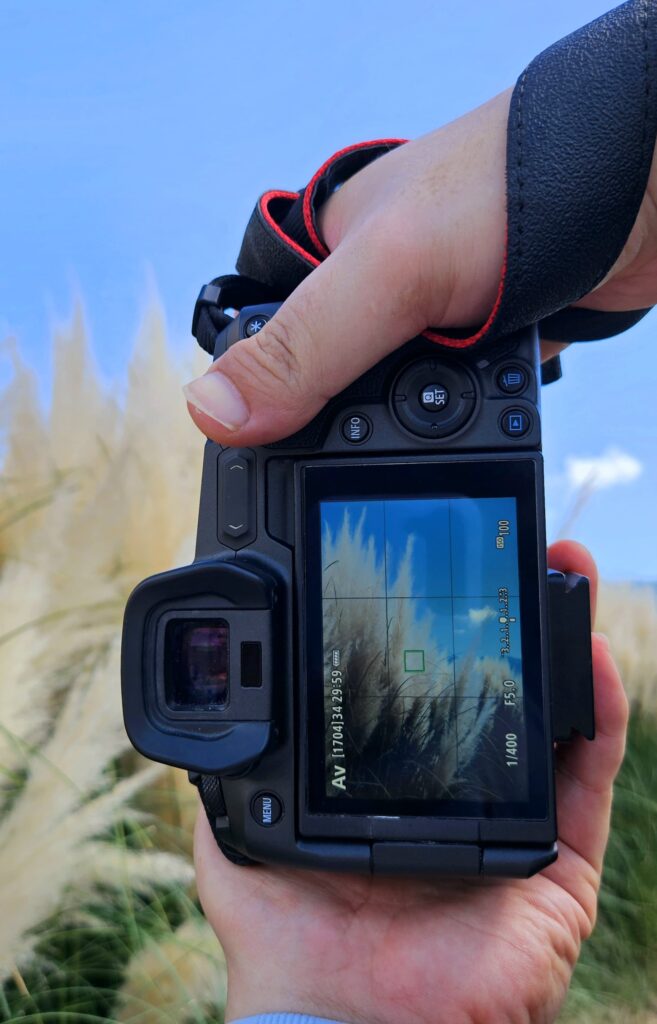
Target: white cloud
column 611, row 468
column 479, row 615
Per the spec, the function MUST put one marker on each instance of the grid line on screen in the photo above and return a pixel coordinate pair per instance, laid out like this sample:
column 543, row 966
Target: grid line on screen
column 385, row 585
column 451, row 587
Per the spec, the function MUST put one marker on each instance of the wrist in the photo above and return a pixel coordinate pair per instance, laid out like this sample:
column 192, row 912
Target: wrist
column 276, row 986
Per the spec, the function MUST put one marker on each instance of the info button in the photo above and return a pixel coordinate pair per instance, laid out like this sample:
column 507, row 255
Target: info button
column 356, row 429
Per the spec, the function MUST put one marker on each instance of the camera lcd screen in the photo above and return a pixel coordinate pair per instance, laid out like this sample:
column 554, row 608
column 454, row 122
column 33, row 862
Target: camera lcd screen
column 423, row 668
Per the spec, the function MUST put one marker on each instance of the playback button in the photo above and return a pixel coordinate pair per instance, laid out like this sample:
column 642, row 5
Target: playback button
column 515, row 422
column 356, row 428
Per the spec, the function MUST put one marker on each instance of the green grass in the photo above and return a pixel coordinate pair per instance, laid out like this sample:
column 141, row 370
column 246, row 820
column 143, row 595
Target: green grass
column 617, row 972
column 80, row 964
column 81, row 955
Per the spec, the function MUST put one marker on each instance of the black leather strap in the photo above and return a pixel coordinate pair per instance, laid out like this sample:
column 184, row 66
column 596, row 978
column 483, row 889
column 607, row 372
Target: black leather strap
column 581, row 134
column 581, row 138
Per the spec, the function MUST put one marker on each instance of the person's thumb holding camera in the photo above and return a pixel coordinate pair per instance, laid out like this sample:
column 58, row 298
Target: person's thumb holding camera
column 416, row 238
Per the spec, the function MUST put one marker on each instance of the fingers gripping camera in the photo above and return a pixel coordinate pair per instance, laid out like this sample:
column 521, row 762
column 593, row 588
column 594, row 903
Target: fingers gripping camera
column 368, row 663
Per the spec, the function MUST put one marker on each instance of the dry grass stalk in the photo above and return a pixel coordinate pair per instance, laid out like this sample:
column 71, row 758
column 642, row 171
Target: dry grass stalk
column 628, row 615
column 93, row 497
column 174, row 979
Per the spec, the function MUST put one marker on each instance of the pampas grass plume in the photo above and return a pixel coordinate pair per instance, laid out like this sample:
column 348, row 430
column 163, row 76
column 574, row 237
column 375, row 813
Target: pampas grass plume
column 175, row 978
column 95, row 494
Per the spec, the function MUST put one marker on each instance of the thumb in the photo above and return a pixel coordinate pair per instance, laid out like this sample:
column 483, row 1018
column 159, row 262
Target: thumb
column 354, row 308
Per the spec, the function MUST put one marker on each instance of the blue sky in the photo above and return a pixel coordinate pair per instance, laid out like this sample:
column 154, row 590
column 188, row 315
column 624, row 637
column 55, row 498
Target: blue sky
column 137, row 136
column 454, row 543
column 454, row 555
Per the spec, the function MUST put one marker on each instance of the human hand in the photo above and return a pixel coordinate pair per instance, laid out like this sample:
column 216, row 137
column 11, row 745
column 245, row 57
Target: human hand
column 416, row 238
column 372, row 950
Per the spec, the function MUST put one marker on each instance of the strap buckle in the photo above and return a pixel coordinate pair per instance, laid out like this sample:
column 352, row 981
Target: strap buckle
column 231, row 291
column 209, row 295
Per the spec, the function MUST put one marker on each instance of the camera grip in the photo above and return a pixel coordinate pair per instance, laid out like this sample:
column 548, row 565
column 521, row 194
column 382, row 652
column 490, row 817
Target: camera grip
column 571, row 659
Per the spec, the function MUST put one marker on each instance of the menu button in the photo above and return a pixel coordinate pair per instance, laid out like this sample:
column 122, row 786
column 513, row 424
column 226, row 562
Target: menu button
column 266, row 809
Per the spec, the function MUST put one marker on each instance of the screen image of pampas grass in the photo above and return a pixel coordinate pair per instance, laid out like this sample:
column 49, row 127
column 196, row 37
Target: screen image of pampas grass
column 99, row 919
column 432, row 733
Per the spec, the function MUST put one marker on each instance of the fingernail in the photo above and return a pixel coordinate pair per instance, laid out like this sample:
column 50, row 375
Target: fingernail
column 217, row 397
column 604, row 639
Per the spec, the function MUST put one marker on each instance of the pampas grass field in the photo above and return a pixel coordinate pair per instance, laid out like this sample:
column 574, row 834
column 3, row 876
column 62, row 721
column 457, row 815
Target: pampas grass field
column 98, row 915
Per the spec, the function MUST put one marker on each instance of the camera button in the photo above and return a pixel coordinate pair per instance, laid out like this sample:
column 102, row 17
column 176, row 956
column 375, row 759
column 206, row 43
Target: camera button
column 255, row 324
column 512, row 380
column 434, row 397
column 515, row 422
column 266, row 809
column 236, row 496
column 356, row 428
column 236, row 480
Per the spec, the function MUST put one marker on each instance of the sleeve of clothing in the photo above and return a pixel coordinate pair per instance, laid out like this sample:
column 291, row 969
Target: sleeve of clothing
column 285, row 1018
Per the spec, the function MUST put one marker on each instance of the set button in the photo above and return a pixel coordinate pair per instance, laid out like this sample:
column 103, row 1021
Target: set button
column 434, row 397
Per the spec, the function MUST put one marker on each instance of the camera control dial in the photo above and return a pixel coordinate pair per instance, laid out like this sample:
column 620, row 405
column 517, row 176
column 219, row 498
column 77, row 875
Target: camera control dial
column 433, row 399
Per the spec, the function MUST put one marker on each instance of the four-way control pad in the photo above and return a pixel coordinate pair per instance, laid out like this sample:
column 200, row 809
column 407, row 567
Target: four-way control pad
column 434, row 398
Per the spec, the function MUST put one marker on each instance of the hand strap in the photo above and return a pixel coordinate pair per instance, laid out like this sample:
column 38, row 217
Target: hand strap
column 581, row 135
column 580, row 142
column 282, row 244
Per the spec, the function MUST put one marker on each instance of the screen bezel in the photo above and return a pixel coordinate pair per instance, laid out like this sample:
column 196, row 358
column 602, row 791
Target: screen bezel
column 464, row 476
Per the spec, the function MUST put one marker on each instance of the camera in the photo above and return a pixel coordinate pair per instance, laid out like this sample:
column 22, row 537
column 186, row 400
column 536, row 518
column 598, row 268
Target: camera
column 368, row 664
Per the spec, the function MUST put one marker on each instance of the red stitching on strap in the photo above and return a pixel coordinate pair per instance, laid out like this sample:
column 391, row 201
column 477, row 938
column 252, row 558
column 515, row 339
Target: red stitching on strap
column 264, row 209
column 308, row 194
column 467, row 342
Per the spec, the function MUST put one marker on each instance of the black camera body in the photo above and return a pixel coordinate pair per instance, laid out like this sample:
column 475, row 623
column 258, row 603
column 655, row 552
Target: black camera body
column 358, row 669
